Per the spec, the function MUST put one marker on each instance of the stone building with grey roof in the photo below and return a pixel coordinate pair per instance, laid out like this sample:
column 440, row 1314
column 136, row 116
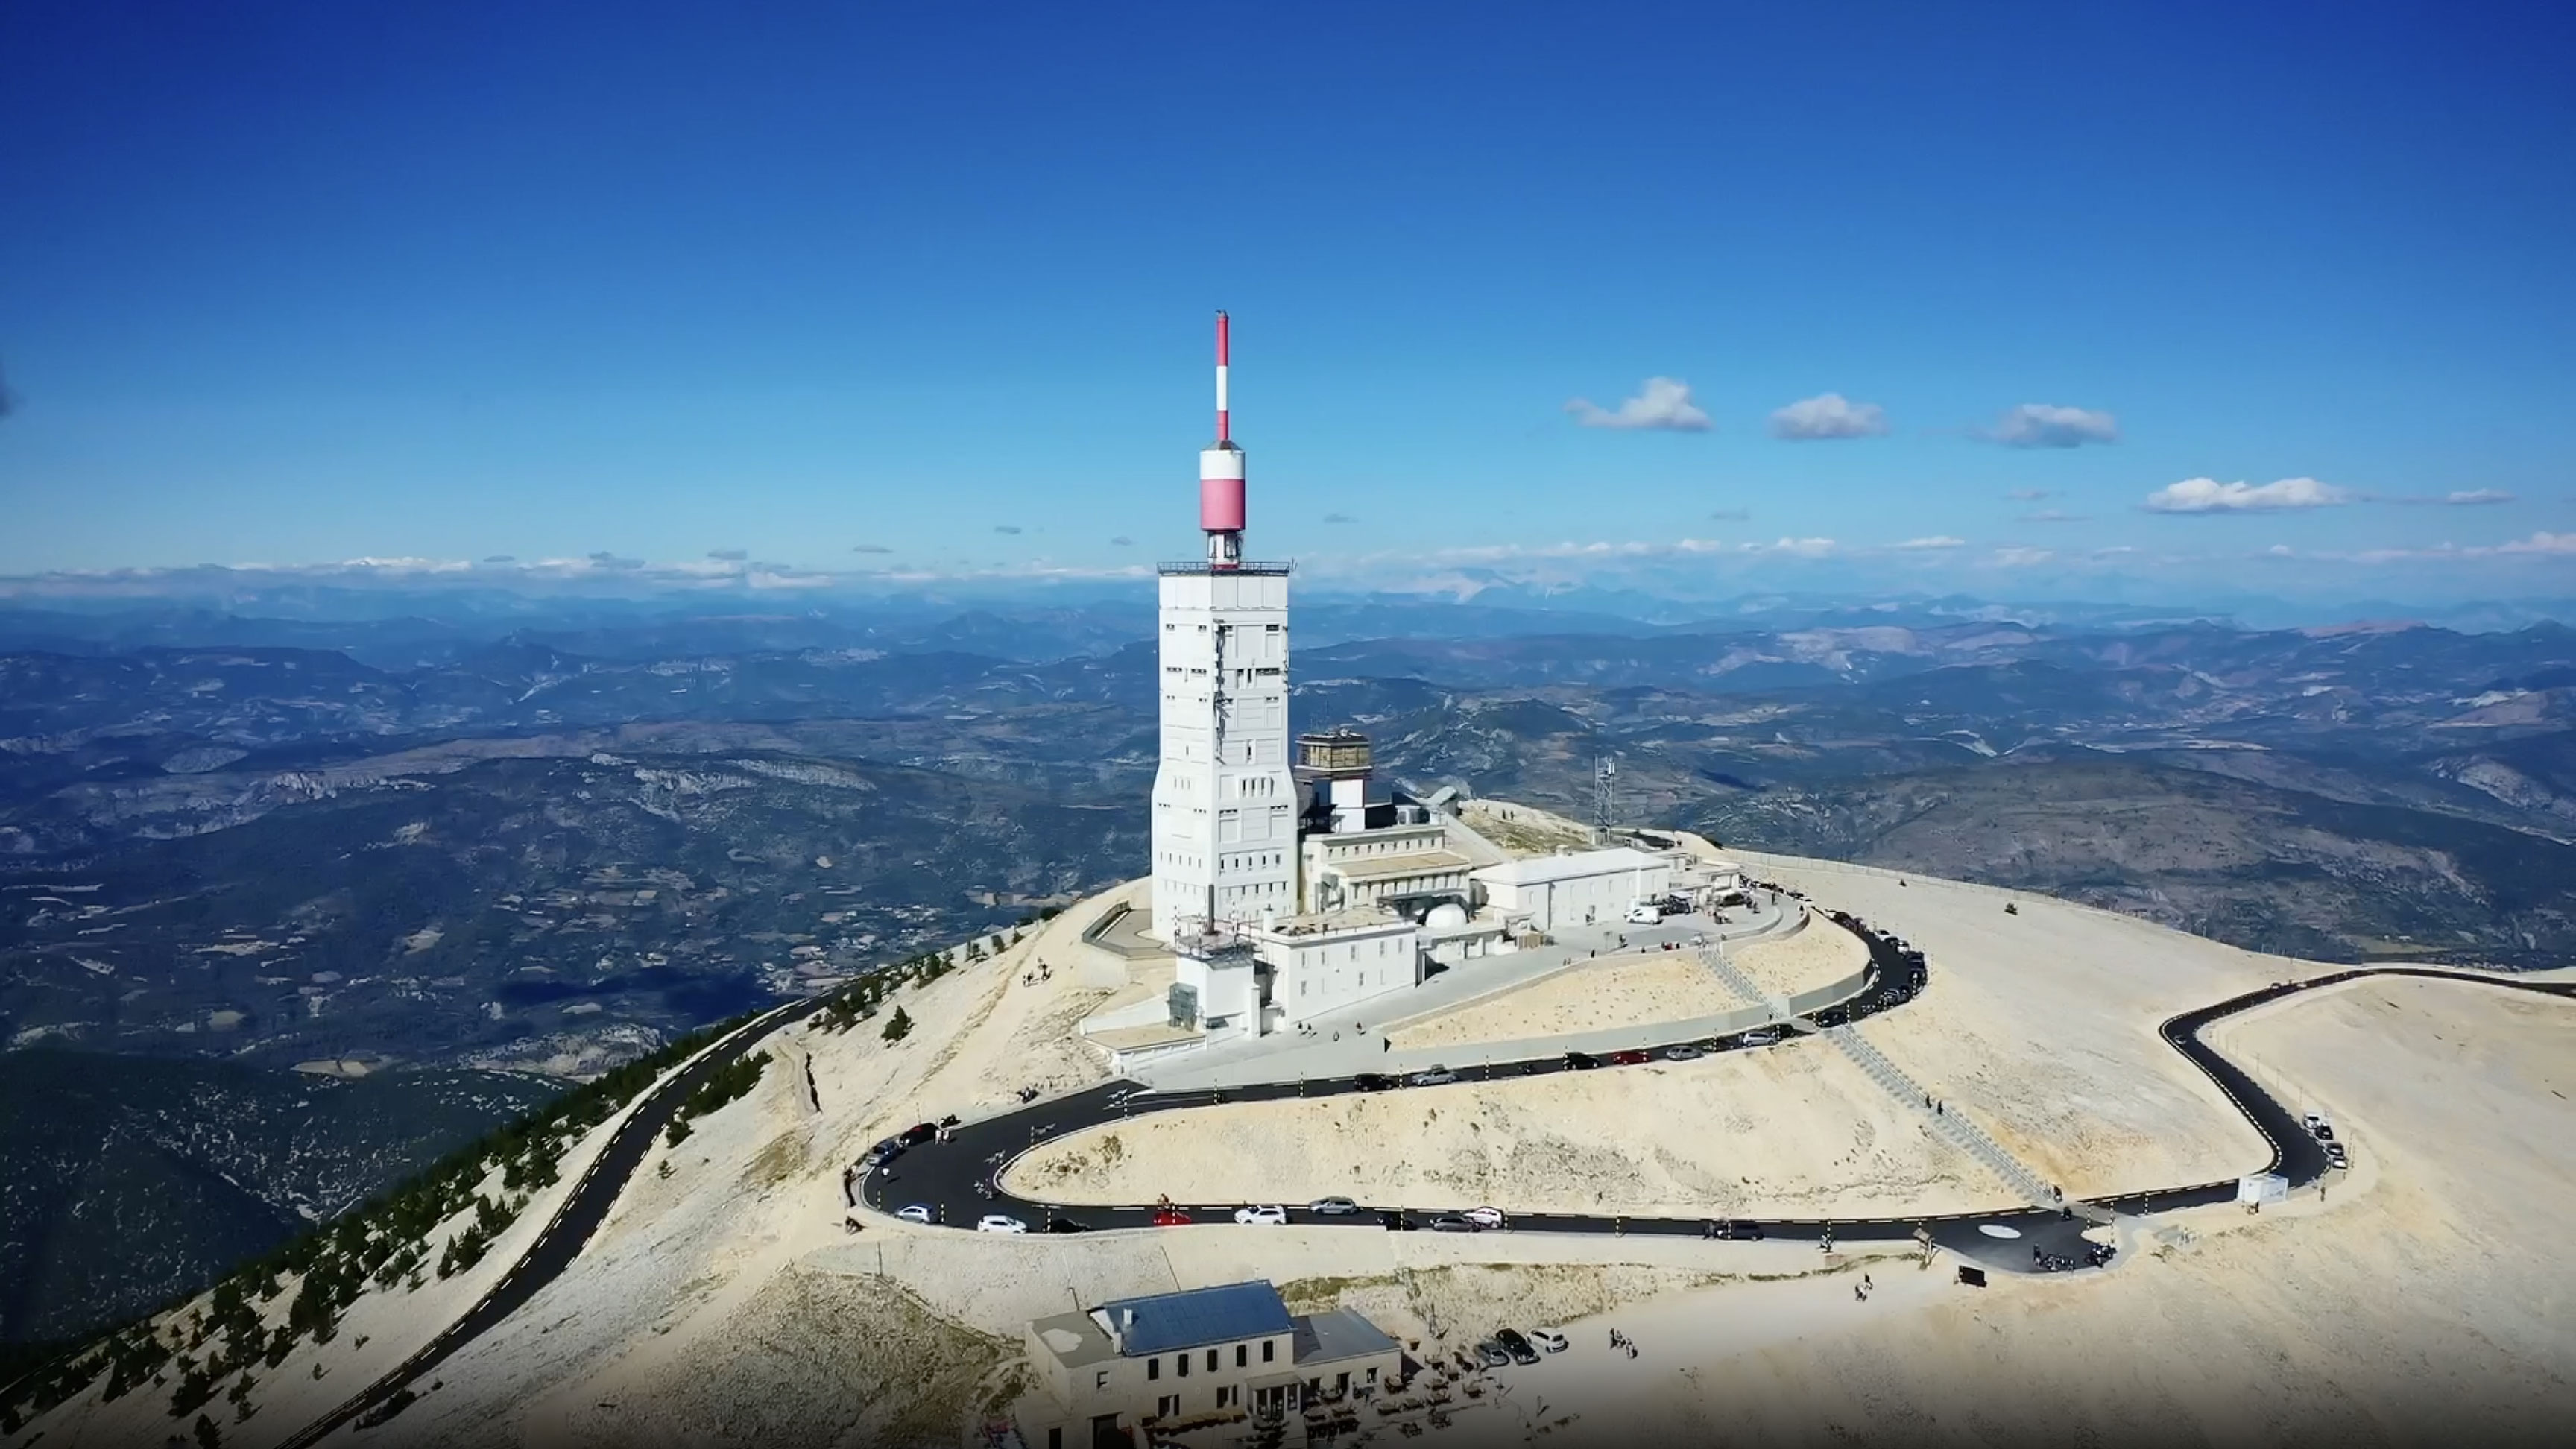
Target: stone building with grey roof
column 1211, row 1364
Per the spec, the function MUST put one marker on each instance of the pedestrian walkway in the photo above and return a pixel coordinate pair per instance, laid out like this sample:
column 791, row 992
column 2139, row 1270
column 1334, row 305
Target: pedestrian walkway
column 1741, row 984
column 1356, row 1040
column 1952, row 1124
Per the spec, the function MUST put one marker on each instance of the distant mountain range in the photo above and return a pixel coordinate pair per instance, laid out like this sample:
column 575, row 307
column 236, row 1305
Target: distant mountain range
column 436, row 849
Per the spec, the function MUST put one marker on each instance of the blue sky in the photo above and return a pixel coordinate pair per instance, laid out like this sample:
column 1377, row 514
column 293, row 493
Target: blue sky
column 297, row 284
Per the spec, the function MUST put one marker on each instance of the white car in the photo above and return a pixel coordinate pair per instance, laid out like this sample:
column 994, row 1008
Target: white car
column 1484, row 1217
column 997, row 1223
column 915, row 1212
column 1549, row 1339
column 1270, row 1215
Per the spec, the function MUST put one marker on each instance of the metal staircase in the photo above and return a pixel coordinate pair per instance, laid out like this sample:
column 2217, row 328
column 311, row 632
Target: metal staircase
column 1953, row 1124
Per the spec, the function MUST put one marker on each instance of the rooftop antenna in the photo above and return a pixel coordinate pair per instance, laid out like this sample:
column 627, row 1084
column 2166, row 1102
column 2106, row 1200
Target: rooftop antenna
column 1221, row 475
column 1605, row 796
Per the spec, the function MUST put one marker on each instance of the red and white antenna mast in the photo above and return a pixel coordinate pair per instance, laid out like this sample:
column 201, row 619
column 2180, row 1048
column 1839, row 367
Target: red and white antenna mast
column 1221, row 475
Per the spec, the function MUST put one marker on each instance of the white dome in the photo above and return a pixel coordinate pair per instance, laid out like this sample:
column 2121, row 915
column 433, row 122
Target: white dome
column 1446, row 915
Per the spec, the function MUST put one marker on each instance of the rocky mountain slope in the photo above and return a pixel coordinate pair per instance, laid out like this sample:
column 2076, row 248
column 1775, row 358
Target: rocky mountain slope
column 131, row 1181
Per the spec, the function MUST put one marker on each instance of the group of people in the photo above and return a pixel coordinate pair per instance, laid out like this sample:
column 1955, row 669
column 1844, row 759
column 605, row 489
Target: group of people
column 1620, row 1342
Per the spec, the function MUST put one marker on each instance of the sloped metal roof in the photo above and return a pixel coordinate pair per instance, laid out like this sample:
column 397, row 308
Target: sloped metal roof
column 1222, row 1314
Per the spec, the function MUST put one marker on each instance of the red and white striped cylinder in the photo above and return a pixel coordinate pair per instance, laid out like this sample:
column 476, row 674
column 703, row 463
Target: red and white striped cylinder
column 1221, row 466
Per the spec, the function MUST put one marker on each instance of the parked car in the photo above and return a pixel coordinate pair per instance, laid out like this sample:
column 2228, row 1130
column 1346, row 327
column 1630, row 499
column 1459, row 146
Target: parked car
column 1630, row 1058
column 1397, row 1222
column 1269, row 1215
column 1742, row 1232
column 1684, row 1052
column 1170, row 1217
column 1549, row 1339
column 1515, row 1345
column 2336, row 1155
column 1759, row 1038
column 1433, row 1076
column 1644, row 914
column 1452, row 1223
column 1581, row 1061
column 919, row 1133
column 916, row 1212
column 1333, row 1207
column 883, row 1153
column 1373, row 1082
column 1066, row 1225
column 1484, row 1217
column 1491, row 1355
column 999, row 1223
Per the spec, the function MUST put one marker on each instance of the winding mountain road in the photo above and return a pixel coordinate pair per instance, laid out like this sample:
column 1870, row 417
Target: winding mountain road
column 958, row 1178
column 579, row 1216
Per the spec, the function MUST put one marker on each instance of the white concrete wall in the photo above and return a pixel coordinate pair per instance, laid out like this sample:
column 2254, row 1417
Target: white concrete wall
column 1320, row 977
column 1224, row 827
column 1597, row 899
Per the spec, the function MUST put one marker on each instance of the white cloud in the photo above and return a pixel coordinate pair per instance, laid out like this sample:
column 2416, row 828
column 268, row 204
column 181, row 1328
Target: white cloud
column 1505, row 552
column 2541, row 543
column 1940, row 540
column 1795, row 547
column 2053, row 515
column 2208, row 495
column 1829, row 415
column 2020, row 558
column 2471, row 497
column 1664, row 402
column 2044, row 425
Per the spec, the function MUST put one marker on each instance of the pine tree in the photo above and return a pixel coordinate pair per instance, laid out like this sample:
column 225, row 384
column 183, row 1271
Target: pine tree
column 898, row 1026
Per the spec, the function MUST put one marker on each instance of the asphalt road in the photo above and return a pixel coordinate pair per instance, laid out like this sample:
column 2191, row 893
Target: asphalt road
column 957, row 1177
column 569, row 1231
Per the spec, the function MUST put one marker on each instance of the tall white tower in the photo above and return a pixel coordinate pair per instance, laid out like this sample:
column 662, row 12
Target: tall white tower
column 1225, row 806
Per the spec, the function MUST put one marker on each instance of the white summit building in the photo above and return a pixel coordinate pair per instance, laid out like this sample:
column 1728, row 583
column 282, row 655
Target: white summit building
column 1291, row 887
column 1225, row 805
